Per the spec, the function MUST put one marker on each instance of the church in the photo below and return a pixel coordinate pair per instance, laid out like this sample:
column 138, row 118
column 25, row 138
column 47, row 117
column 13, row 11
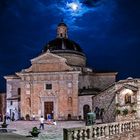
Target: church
column 58, row 82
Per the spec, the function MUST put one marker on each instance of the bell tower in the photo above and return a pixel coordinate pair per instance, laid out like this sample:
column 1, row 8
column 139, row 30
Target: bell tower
column 62, row 30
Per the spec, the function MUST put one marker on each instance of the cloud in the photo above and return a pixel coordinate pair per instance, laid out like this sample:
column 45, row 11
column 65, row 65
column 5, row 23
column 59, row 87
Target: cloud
column 38, row 9
column 102, row 8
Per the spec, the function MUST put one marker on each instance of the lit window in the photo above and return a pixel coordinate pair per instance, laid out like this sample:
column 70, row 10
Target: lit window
column 48, row 86
column 127, row 99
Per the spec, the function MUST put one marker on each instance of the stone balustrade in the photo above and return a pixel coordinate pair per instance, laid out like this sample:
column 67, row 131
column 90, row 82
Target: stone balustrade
column 100, row 131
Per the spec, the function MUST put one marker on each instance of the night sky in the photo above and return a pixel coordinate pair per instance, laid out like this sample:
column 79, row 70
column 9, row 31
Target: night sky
column 108, row 31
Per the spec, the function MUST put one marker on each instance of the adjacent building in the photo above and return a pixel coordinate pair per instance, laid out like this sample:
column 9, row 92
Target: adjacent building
column 120, row 101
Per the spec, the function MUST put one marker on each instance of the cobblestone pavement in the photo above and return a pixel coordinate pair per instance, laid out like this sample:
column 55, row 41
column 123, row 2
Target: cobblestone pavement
column 51, row 132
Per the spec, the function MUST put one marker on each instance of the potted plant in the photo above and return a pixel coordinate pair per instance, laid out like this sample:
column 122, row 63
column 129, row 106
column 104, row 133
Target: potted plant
column 35, row 132
column 4, row 124
column 118, row 112
column 125, row 111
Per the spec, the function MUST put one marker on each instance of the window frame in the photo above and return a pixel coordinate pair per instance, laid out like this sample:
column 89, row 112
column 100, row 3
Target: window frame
column 127, row 98
column 48, row 86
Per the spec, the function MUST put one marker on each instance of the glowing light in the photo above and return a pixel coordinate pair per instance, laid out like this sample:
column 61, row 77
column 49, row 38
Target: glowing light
column 73, row 6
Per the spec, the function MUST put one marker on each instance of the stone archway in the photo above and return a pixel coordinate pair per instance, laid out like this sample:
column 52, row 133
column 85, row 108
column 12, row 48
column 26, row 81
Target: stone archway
column 86, row 109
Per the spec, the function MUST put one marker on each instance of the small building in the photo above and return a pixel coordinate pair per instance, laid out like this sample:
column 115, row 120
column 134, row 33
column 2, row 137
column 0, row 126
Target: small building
column 120, row 101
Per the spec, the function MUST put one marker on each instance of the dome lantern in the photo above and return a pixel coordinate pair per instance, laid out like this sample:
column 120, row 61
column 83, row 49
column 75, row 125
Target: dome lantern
column 62, row 30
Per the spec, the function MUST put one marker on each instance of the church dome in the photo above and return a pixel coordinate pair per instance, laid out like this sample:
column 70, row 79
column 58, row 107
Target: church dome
column 63, row 44
column 66, row 48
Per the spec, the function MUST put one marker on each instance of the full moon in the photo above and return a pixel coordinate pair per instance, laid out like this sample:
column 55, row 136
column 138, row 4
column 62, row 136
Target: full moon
column 73, row 6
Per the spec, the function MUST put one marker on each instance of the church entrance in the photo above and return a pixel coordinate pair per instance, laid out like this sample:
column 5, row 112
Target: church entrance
column 86, row 109
column 48, row 109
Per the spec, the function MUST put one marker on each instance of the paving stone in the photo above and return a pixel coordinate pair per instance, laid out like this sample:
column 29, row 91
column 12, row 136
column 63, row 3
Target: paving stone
column 51, row 132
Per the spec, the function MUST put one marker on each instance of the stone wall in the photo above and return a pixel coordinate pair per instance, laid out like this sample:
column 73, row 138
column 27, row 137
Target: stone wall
column 96, row 80
column 106, row 100
column 12, row 85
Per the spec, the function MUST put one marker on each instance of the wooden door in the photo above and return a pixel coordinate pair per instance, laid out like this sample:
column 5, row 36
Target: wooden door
column 48, row 109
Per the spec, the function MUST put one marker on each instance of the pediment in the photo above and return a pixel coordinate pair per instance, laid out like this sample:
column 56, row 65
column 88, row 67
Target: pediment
column 48, row 58
column 49, row 62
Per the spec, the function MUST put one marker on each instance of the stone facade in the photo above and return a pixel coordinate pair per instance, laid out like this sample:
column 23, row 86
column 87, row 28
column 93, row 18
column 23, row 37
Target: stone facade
column 63, row 93
column 92, row 80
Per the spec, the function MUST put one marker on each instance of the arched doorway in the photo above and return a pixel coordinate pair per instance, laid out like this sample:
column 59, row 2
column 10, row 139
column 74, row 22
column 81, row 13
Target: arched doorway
column 86, row 109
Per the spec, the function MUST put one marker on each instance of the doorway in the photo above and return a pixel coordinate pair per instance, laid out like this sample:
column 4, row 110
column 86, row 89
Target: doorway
column 86, row 109
column 48, row 109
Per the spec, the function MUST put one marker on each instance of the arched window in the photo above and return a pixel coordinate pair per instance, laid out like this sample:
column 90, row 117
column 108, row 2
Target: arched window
column 28, row 101
column 127, row 98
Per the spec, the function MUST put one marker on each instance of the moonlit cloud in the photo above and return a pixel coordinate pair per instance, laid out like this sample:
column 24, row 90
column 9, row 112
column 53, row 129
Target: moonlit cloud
column 104, row 8
column 62, row 9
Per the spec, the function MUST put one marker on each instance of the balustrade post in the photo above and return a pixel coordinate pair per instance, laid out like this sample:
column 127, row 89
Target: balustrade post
column 67, row 134
column 120, row 128
column 106, row 131
column 114, row 129
column 90, row 132
column 131, row 127
column 103, row 131
column 81, row 134
column 75, row 135
column 95, row 132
